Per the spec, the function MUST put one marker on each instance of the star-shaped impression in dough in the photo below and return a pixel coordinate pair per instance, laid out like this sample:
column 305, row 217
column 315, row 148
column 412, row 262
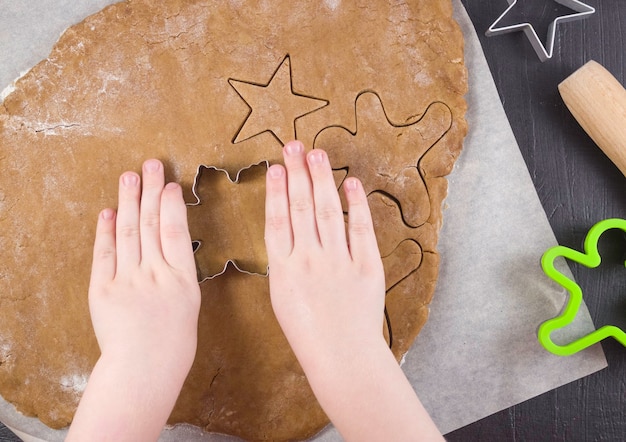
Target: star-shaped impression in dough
column 274, row 106
column 544, row 52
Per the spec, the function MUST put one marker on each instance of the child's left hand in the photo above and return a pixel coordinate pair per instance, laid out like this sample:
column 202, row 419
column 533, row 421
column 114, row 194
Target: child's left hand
column 144, row 300
column 144, row 296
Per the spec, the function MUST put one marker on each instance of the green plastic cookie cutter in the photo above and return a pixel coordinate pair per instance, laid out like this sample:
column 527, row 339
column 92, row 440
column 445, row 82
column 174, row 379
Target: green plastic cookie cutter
column 591, row 259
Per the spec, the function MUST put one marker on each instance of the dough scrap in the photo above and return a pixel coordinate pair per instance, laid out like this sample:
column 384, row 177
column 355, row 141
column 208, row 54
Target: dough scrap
column 148, row 78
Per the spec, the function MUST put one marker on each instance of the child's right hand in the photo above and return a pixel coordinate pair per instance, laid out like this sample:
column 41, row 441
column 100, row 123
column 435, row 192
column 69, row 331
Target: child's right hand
column 328, row 294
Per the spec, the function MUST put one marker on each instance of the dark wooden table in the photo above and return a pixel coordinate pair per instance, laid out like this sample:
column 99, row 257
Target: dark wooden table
column 577, row 186
column 7, row 435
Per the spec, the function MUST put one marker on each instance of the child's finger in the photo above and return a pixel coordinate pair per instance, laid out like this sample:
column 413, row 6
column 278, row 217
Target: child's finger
column 278, row 233
column 175, row 237
column 104, row 259
column 150, row 214
column 328, row 212
column 300, row 191
column 363, row 246
column 127, row 222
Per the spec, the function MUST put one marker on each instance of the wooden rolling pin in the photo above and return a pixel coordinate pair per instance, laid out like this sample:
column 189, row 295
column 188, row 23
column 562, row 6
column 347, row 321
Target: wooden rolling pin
column 598, row 101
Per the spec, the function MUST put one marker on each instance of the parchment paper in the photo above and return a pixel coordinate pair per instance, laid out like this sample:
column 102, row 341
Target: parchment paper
column 478, row 353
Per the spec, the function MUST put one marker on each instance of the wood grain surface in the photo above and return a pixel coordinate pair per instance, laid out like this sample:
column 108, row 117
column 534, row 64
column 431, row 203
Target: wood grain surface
column 578, row 186
column 7, row 435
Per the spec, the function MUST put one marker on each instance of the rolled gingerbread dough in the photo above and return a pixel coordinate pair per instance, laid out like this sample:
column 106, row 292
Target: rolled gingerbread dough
column 378, row 84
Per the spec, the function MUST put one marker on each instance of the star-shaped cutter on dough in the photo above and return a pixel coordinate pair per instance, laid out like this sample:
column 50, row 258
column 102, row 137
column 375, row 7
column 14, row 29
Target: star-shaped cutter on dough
column 274, row 106
column 591, row 259
column 544, row 53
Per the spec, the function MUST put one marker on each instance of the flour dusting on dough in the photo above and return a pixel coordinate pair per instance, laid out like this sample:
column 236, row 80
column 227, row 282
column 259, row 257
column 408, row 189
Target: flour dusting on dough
column 403, row 359
column 5, row 350
column 10, row 88
column 7, row 91
column 332, row 4
column 75, row 382
column 5, row 353
column 423, row 79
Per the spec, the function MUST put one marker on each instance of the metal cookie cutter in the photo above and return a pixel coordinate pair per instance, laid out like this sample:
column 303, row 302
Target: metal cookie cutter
column 202, row 277
column 544, row 52
column 591, row 259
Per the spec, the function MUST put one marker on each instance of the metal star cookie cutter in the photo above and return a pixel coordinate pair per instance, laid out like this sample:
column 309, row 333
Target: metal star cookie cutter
column 591, row 259
column 543, row 52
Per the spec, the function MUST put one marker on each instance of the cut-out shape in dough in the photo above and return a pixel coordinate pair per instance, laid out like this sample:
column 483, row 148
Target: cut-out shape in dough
column 274, row 106
column 401, row 263
column 394, row 168
column 391, row 230
column 227, row 221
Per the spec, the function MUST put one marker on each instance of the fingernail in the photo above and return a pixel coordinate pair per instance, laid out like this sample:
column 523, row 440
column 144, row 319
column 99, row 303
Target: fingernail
column 107, row 214
column 294, row 147
column 171, row 186
column 275, row 171
column 130, row 179
column 351, row 184
column 152, row 165
column 316, row 157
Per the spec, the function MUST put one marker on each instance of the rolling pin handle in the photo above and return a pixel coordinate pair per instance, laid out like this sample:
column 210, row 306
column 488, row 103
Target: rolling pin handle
column 598, row 102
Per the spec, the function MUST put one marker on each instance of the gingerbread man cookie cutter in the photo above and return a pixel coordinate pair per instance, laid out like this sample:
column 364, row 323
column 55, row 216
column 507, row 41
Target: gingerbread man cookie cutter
column 590, row 258
column 197, row 244
column 544, row 53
